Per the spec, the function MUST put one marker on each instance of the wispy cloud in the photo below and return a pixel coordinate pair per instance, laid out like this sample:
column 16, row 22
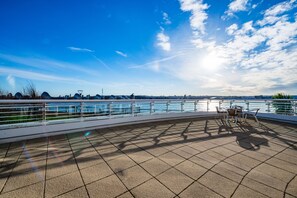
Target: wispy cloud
column 156, row 61
column 166, row 18
column 11, row 81
column 121, row 53
column 80, row 49
column 46, row 63
column 163, row 41
column 198, row 14
column 29, row 75
column 101, row 62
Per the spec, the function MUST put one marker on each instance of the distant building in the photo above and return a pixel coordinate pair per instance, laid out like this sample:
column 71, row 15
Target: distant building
column 18, row 95
column 77, row 96
column 45, row 95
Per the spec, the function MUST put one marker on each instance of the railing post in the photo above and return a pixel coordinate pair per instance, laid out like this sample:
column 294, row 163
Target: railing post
column 167, row 106
column 151, row 107
column 220, row 104
column 247, row 105
column 182, row 106
column 195, row 105
column 95, row 109
column 295, row 104
column 109, row 109
column 268, row 106
column 207, row 108
column 132, row 108
column 81, row 110
column 231, row 103
column 44, row 113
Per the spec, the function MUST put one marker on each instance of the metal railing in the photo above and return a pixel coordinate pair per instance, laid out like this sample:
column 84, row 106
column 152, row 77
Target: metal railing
column 17, row 113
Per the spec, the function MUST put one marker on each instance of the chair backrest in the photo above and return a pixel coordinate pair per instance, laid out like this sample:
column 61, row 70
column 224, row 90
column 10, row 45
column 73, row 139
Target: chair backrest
column 232, row 112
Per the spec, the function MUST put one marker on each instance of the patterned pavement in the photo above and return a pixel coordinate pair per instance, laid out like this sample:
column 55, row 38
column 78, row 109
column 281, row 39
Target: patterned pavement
column 185, row 158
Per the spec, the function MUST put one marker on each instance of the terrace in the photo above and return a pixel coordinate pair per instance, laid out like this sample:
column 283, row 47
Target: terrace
column 193, row 157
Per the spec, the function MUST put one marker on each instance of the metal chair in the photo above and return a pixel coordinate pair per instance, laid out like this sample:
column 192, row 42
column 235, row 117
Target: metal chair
column 253, row 113
column 221, row 112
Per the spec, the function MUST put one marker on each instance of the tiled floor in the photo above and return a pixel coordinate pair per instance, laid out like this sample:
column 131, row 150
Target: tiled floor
column 189, row 158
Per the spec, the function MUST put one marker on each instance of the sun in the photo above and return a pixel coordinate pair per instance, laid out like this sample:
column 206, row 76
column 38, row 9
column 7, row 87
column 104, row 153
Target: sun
column 211, row 61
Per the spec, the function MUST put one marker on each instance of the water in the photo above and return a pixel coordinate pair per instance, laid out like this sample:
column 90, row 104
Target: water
column 145, row 107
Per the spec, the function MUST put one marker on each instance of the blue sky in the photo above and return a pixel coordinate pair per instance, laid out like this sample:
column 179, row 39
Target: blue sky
column 156, row 47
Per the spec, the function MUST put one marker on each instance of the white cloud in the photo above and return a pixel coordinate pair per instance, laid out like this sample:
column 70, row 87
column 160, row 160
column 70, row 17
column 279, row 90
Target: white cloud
column 231, row 29
column 198, row 17
column 271, row 15
column 166, row 18
column 163, row 41
column 254, row 60
column 80, row 49
column 11, row 81
column 121, row 53
column 236, row 6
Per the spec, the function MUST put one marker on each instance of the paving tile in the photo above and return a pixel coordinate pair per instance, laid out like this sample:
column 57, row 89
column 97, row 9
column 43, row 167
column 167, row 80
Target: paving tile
column 256, row 155
column 140, row 156
column 133, row 176
column 289, row 196
column 29, row 165
column 292, row 187
column 62, row 184
column 208, row 158
column 77, row 193
column 219, row 184
column 198, row 190
column 243, row 162
column 96, row 172
column 262, row 188
column 231, row 168
column 175, row 180
column 171, row 158
column 287, row 158
column 267, row 180
column 201, row 162
column 191, row 169
column 234, row 147
column 182, row 153
column 152, row 188
column 223, row 151
column 155, row 166
column 227, row 173
column 107, row 187
column 244, row 192
column 121, row 163
column 283, row 165
column 156, row 150
column 32, row 191
column 275, row 172
column 88, row 159
column 291, row 152
column 126, row 195
column 24, row 179
column 59, row 166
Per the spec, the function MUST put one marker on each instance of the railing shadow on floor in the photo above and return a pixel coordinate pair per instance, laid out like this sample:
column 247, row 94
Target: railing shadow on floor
column 243, row 133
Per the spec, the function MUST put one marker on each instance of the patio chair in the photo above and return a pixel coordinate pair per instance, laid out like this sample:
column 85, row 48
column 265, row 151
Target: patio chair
column 232, row 112
column 222, row 113
column 253, row 113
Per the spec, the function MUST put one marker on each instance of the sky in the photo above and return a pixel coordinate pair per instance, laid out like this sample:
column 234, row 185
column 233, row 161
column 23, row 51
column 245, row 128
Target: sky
column 155, row 47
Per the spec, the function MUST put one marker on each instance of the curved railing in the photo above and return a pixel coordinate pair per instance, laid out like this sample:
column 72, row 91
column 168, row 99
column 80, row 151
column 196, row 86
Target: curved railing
column 16, row 113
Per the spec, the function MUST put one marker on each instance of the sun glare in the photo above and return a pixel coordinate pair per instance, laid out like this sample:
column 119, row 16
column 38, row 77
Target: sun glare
column 211, row 61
